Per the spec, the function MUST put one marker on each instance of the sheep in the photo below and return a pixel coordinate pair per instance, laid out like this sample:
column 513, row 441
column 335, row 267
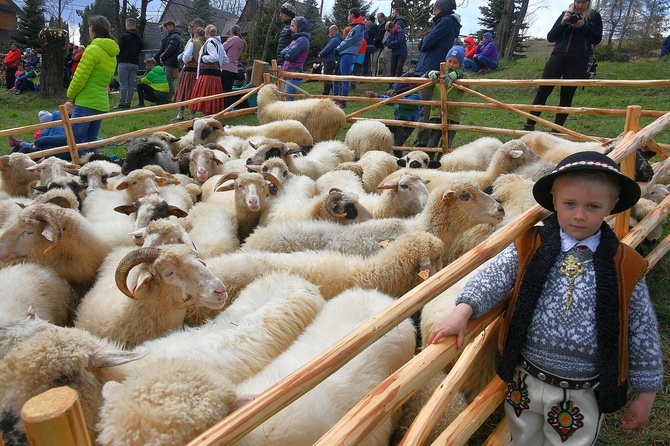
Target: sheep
column 450, row 210
column 15, row 178
column 475, row 155
column 175, row 178
column 169, row 280
column 212, row 228
column 323, row 157
column 402, row 197
column 322, row 117
column 166, row 231
column 203, row 162
column 509, row 157
column 657, row 193
column 287, row 130
column 65, row 182
column 28, row 284
column 51, row 168
column 209, row 130
column 417, row 159
column 295, row 202
column 129, row 420
column 552, row 148
column 60, row 238
column 40, row 356
column 148, row 150
column 170, row 139
column 64, row 198
column 95, row 174
column 368, row 134
column 376, row 166
column 149, row 208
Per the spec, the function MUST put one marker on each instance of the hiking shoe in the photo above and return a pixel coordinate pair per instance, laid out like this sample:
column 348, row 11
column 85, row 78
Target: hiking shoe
column 529, row 127
column 140, row 105
column 14, row 142
column 178, row 118
column 120, row 106
column 484, row 71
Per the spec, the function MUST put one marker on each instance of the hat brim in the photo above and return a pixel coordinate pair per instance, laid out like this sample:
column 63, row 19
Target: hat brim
column 630, row 190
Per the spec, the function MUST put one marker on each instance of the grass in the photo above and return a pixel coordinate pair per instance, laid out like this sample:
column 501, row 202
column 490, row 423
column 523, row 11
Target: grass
column 22, row 110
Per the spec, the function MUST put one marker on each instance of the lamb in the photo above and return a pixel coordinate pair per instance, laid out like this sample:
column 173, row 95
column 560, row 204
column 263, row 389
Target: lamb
column 449, row 211
column 147, row 209
column 475, row 155
column 28, row 284
column 169, row 280
column 148, row 150
column 15, row 178
column 324, row 157
column 657, row 193
column 95, row 174
column 60, row 238
column 368, row 134
column 288, row 130
column 51, row 168
column 403, row 197
column 322, row 117
column 417, row 159
column 166, row 231
column 203, row 162
column 128, row 420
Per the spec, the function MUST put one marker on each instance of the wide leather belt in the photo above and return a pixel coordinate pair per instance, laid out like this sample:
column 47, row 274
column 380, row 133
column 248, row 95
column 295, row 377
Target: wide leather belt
column 557, row 381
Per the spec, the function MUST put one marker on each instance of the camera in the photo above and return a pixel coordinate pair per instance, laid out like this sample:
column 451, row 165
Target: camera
column 575, row 17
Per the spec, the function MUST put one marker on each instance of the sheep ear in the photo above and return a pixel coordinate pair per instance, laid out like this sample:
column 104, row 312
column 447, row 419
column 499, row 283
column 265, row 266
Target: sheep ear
column 434, row 164
column 515, row 153
column 389, row 184
column 163, row 181
column 126, row 209
column 402, row 162
column 448, row 196
column 122, row 185
column 174, row 210
column 48, row 233
column 103, row 359
column 143, row 280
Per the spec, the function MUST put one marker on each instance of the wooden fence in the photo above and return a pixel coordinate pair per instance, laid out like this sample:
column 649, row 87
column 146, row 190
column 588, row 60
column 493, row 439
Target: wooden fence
column 55, row 414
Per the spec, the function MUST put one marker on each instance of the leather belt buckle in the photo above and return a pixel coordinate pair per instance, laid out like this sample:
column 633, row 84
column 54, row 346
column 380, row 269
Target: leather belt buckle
column 557, row 381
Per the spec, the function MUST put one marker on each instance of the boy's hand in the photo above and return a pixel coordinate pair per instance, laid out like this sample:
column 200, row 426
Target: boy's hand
column 454, row 324
column 448, row 78
column 433, row 75
column 371, row 94
column 638, row 412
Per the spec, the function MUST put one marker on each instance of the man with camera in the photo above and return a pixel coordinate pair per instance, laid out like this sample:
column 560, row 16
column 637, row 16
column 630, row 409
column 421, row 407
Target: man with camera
column 575, row 34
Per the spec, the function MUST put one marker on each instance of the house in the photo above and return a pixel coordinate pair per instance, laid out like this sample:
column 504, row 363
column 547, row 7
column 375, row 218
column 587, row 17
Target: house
column 177, row 10
column 8, row 12
column 252, row 9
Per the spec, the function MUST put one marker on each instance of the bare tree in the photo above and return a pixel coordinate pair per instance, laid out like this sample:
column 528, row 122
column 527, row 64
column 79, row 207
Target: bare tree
column 56, row 8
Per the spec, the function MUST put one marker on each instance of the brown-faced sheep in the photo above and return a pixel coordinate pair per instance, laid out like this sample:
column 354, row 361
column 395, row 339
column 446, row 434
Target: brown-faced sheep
column 15, row 177
column 287, row 130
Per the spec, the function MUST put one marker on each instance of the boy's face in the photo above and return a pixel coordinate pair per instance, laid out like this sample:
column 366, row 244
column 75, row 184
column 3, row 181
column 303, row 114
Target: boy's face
column 452, row 63
column 581, row 205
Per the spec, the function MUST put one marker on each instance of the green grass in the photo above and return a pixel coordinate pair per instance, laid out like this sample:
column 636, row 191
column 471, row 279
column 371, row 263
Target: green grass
column 22, row 110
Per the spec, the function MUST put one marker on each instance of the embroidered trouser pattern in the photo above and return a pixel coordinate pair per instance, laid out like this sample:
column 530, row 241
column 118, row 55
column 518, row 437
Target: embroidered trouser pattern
column 541, row 414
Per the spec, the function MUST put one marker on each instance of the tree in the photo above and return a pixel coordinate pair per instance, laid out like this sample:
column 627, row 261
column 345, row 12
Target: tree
column 106, row 8
column 56, row 8
column 54, row 44
column 505, row 19
column 341, row 10
column 30, row 22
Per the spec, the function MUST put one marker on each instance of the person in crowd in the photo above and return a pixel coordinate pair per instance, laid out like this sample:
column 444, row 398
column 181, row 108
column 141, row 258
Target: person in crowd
column 168, row 52
column 295, row 54
column 69, row 54
column 371, row 34
column 434, row 47
column 397, row 42
column 18, row 145
column 251, row 101
column 27, row 79
column 360, row 57
column 470, row 48
column 378, row 42
column 486, row 55
column 189, row 73
column 128, row 62
column 401, row 112
column 455, row 61
column 399, row 19
column 76, row 57
column 234, row 46
column 665, row 46
column 328, row 58
column 33, row 58
column 211, row 58
column 12, row 60
column 579, row 325
column 88, row 88
column 49, row 138
column 286, row 14
column 574, row 35
column 153, row 87
column 347, row 51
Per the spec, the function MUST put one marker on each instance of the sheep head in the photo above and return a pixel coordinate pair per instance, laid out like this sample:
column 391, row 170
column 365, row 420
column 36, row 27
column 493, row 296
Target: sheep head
column 344, row 207
column 206, row 130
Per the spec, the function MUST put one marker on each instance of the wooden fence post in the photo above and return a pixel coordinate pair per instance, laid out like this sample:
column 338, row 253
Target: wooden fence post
column 633, row 113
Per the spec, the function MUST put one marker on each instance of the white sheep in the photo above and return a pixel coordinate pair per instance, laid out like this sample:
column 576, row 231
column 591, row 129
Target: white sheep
column 293, row 203
column 28, row 284
column 657, row 192
column 166, row 231
column 417, row 159
column 552, row 148
column 287, row 130
column 405, row 196
column 168, row 280
column 95, row 174
column 376, row 166
column 50, row 168
column 203, row 162
column 60, row 238
column 209, row 130
column 368, row 134
column 323, row 157
column 475, row 155
column 15, row 178
column 132, row 421
column 322, row 117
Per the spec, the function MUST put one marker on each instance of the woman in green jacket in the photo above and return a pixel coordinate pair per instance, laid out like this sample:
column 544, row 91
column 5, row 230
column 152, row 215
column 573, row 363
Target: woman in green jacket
column 89, row 84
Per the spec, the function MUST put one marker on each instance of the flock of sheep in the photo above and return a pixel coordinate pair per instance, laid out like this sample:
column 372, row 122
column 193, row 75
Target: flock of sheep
column 171, row 289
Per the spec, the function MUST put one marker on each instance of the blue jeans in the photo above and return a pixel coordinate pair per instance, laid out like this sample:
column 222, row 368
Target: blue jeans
column 485, row 62
column 470, row 65
column 86, row 131
column 127, row 74
column 346, row 68
column 288, row 89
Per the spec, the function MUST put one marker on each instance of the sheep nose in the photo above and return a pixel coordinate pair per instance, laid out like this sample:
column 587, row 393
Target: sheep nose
column 249, row 161
column 415, row 165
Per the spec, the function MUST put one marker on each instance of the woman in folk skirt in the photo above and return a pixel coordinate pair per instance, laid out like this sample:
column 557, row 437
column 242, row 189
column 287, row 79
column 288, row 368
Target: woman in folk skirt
column 212, row 56
column 189, row 74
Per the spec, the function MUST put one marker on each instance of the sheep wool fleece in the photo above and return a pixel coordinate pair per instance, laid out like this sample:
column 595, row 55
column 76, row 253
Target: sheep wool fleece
column 96, row 68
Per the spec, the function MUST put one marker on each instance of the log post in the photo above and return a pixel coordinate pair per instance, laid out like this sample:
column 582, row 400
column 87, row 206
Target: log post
column 633, row 113
column 260, row 68
column 69, row 134
column 55, row 417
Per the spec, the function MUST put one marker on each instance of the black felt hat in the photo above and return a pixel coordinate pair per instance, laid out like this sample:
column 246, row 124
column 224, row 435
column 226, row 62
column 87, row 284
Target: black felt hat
column 591, row 162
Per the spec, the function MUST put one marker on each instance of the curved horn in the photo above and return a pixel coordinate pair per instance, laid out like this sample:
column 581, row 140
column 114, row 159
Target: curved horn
column 131, row 260
column 182, row 152
column 226, row 177
column 215, row 146
column 271, row 178
column 54, row 219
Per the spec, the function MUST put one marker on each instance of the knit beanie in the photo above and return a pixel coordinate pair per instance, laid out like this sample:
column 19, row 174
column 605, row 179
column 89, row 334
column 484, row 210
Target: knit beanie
column 458, row 52
column 447, row 6
column 288, row 9
column 44, row 116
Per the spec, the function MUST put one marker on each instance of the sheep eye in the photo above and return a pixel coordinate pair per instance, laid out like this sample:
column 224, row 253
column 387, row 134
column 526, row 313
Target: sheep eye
column 84, row 178
column 404, row 186
column 285, row 174
column 62, row 380
column 265, row 169
column 168, row 273
column 104, row 179
column 28, row 232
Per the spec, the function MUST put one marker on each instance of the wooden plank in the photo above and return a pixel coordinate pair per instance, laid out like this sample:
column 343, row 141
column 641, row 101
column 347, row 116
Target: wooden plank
column 500, row 435
column 627, row 166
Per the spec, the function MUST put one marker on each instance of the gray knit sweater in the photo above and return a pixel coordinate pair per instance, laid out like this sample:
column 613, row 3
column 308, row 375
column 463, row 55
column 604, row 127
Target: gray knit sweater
column 566, row 344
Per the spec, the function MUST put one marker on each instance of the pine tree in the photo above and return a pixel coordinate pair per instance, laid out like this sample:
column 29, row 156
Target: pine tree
column 106, row 8
column 491, row 18
column 318, row 34
column 30, row 22
column 202, row 9
column 341, row 10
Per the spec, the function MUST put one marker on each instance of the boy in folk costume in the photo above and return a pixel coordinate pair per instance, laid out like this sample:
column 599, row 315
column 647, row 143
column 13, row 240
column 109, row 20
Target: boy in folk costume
column 579, row 324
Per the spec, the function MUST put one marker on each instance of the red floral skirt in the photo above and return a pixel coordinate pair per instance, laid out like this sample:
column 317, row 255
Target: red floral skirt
column 207, row 85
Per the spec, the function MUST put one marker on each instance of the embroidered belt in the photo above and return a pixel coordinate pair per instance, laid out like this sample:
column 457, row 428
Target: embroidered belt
column 557, row 381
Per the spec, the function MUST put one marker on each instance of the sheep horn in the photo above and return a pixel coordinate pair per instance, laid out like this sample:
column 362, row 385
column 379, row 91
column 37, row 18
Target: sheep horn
column 53, row 219
column 215, row 146
column 226, row 177
column 131, row 260
column 271, row 178
column 182, row 152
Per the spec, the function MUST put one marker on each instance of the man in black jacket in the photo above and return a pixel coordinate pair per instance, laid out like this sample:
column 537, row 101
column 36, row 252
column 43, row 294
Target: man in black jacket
column 167, row 55
column 286, row 14
column 130, row 47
